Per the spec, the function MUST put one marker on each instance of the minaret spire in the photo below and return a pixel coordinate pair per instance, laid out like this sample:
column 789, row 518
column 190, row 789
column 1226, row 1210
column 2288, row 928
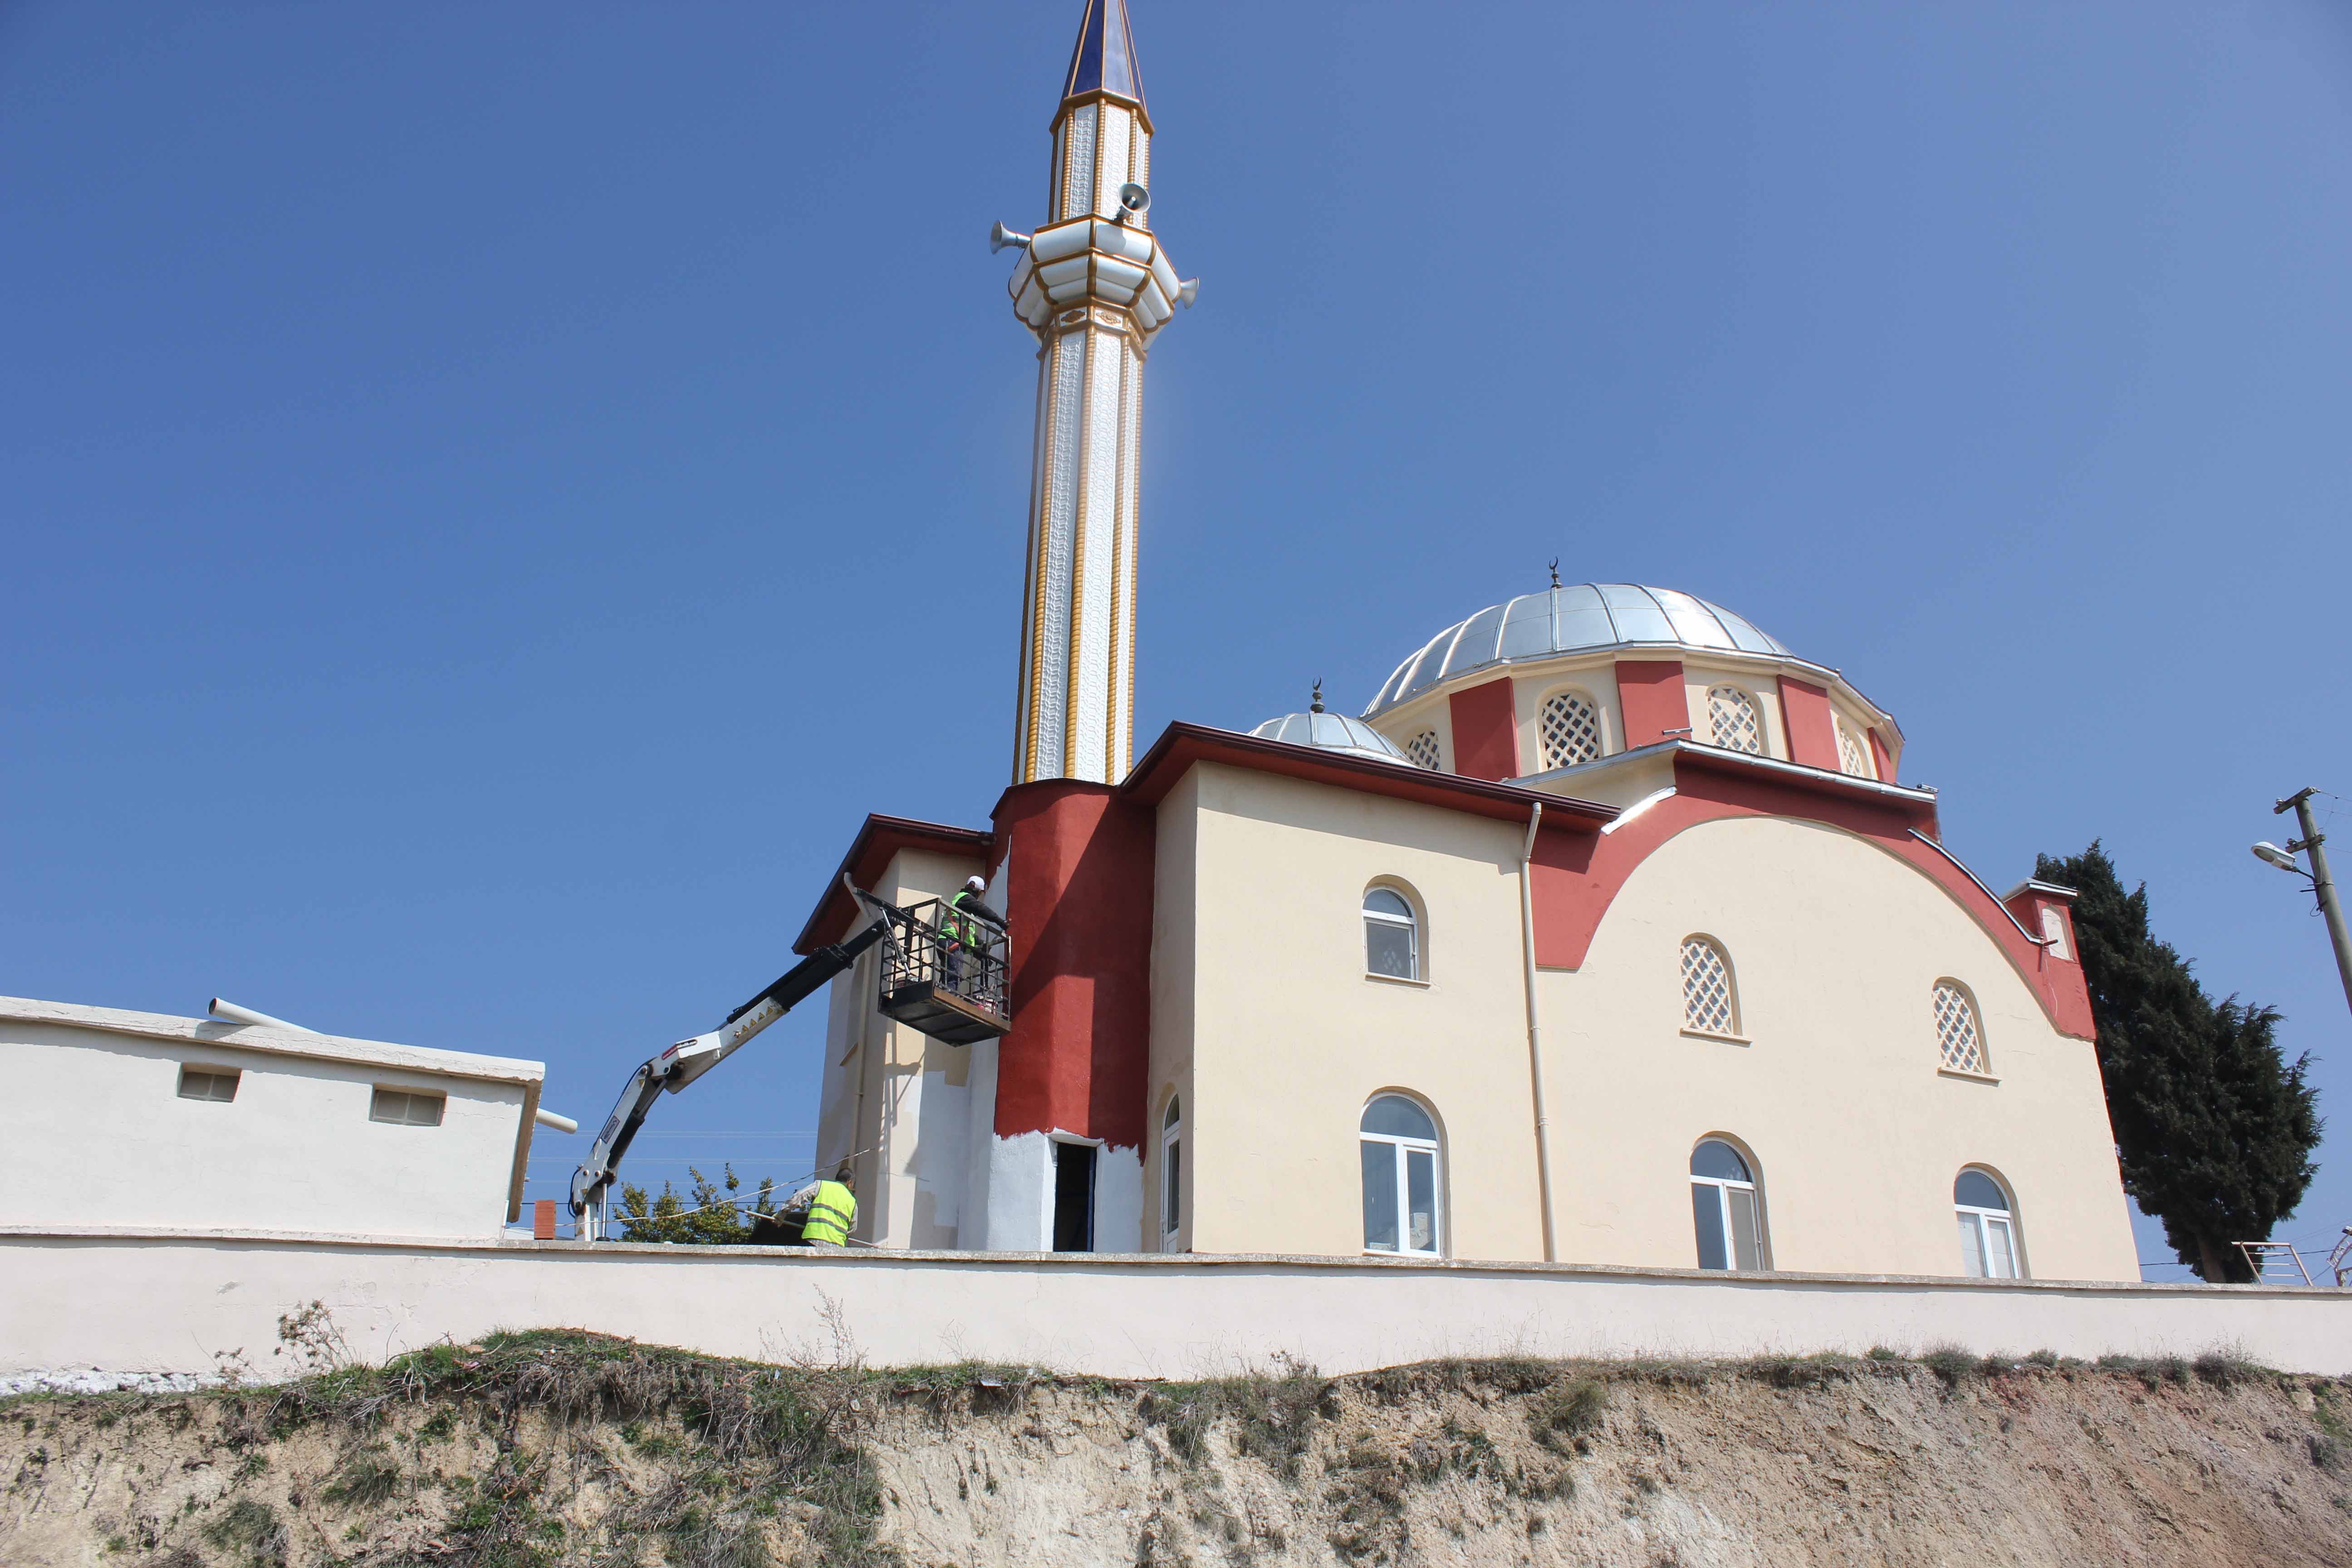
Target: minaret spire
column 1104, row 62
column 1094, row 286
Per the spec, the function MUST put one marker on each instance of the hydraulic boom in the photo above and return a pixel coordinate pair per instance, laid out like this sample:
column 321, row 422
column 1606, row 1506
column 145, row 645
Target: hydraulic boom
column 683, row 1062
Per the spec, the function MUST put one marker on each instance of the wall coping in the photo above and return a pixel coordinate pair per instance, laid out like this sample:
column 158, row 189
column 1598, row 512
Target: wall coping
column 273, row 1042
column 1184, row 1262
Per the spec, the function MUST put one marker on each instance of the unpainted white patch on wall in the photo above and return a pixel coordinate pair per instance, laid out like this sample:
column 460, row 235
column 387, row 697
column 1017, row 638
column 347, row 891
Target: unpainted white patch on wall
column 1021, row 1193
column 980, row 1140
column 943, row 1145
column 1119, row 1200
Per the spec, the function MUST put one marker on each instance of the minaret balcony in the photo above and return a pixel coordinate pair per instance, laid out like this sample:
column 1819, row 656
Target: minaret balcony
column 1095, row 260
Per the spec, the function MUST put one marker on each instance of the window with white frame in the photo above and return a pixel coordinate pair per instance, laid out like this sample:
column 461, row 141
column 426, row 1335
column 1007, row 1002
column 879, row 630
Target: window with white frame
column 1710, row 1005
column 1392, row 935
column 1403, row 1177
column 406, row 1108
column 217, row 1085
column 1733, row 721
column 1988, row 1227
column 1172, row 1174
column 1960, row 1042
column 1422, row 749
column 1727, row 1210
column 1572, row 730
column 1854, row 755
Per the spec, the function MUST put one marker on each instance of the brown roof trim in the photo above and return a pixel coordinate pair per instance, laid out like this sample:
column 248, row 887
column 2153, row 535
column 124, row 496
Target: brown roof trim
column 1910, row 802
column 869, row 856
column 1181, row 745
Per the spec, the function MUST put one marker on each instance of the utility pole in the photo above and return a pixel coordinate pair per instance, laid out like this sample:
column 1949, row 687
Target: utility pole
column 2322, row 884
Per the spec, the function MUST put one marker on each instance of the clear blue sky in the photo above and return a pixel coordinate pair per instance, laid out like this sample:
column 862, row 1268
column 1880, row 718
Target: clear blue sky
column 492, row 494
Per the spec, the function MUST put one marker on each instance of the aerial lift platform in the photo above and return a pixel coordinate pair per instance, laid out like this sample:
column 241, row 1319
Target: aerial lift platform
column 944, row 977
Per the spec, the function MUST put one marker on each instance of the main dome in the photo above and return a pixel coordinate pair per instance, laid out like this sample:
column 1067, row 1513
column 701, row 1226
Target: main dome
column 1582, row 616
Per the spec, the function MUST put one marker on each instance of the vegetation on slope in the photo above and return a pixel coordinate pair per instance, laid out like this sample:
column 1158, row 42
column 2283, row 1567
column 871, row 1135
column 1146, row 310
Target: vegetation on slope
column 537, row 1449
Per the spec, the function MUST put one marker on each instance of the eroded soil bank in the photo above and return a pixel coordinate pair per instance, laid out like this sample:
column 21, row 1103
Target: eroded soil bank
column 547, row 1449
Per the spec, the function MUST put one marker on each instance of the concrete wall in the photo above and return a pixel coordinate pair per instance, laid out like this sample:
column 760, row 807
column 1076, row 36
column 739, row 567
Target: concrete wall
column 88, row 1307
column 96, row 1134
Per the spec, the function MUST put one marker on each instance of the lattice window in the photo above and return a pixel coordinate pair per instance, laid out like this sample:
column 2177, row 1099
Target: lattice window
column 1957, row 1036
column 1852, row 759
column 1707, row 1002
column 1422, row 749
column 1732, row 719
column 1572, row 730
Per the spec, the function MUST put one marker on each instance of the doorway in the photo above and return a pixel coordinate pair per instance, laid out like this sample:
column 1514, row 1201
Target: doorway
column 1074, row 1197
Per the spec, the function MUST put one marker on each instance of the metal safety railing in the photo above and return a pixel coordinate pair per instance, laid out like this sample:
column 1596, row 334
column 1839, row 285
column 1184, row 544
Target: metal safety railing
column 949, row 949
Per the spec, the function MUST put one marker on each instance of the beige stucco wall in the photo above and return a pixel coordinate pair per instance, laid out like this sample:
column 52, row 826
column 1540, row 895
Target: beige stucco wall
column 1836, row 947
column 1291, row 1039
column 1261, row 1005
column 1175, row 935
column 892, row 1099
column 94, row 1133
column 78, row 1309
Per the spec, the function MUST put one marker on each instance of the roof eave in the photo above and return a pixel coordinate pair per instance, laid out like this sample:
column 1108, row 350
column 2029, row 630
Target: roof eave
column 898, row 833
column 1182, row 744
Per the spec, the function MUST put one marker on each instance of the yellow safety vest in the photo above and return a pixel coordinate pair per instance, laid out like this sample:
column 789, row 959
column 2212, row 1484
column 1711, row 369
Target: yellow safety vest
column 960, row 926
column 830, row 1214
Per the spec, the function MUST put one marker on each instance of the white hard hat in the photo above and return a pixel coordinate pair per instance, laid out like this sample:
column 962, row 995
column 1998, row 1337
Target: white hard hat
column 977, row 884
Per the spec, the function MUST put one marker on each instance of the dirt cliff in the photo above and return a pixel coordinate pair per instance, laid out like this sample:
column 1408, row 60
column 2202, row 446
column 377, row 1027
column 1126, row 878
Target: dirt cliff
column 547, row 1449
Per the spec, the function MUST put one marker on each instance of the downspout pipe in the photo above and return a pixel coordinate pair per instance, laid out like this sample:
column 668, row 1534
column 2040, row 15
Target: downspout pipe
column 1535, row 1031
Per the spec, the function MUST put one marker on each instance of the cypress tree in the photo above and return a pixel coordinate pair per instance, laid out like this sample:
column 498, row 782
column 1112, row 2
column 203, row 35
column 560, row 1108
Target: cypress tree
column 2214, row 1128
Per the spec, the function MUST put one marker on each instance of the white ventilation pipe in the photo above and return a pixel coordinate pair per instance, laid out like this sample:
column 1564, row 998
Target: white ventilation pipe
column 547, row 1117
column 229, row 1012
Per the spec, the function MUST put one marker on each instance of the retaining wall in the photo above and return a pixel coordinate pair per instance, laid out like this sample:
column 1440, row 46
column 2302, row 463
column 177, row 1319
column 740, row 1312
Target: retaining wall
column 96, row 1307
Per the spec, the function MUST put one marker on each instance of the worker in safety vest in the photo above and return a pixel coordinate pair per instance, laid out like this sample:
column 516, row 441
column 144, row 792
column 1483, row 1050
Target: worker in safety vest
column 966, row 925
column 832, row 1209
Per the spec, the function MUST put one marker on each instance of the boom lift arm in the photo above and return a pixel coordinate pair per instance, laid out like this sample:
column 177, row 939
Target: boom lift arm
column 683, row 1062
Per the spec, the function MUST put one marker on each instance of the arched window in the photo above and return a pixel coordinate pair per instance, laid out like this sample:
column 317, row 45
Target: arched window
column 1854, row 754
column 1392, row 935
column 1726, row 1210
column 1959, row 1043
column 1710, row 1005
column 1422, row 749
column 1172, row 1174
column 1988, row 1227
column 1401, row 1179
column 1572, row 730
column 1733, row 721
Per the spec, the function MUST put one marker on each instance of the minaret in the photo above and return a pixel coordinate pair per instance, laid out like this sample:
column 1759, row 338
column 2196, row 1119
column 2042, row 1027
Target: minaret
column 1094, row 286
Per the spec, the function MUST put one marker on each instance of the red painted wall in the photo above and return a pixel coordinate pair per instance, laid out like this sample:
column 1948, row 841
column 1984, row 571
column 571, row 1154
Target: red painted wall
column 1079, row 905
column 1651, row 693
column 1486, row 730
column 1883, row 757
column 1813, row 729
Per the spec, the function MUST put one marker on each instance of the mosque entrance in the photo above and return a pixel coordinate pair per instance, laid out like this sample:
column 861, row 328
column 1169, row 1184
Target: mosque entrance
column 1074, row 1197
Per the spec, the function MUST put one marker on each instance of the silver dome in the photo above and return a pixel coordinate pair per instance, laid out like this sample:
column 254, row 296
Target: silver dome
column 1332, row 732
column 1572, row 620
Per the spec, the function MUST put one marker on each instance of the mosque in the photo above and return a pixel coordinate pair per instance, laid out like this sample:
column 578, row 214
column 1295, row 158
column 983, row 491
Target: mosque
column 1606, row 933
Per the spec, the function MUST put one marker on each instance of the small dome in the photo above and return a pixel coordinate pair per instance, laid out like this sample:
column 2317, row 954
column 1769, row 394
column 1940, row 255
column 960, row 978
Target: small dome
column 1581, row 618
column 1332, row 732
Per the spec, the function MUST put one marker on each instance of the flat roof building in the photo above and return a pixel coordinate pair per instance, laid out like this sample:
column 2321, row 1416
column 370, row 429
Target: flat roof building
column 146, row 1121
